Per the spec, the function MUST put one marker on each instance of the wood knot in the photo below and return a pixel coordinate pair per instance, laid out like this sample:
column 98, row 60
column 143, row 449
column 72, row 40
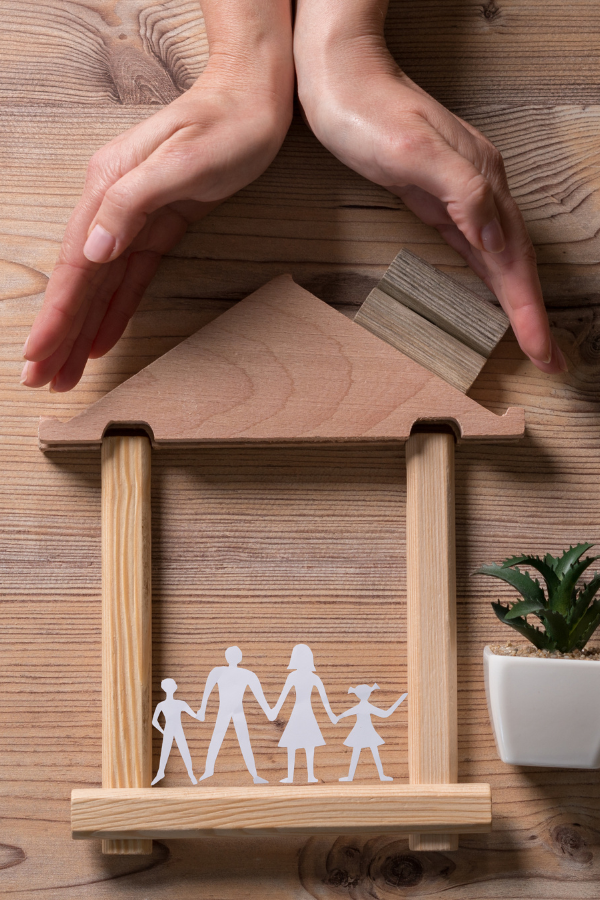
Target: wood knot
column 489, row 10
column 139, row 79
column 571, row 843
column 11, row 856
column 402, row 871
column 341, row 878
column 590, row 347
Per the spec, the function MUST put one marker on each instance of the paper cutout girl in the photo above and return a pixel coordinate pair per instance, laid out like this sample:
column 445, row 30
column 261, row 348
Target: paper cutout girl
column 363, row 734
column 302, row 730
column 173, row 730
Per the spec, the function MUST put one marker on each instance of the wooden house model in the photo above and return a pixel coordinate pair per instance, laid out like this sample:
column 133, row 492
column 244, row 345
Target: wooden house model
column 280, row 367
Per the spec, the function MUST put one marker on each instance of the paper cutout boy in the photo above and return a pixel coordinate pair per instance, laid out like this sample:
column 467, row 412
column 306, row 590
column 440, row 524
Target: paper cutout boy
column 363, row 734
column 173, row 730
column 232, row 682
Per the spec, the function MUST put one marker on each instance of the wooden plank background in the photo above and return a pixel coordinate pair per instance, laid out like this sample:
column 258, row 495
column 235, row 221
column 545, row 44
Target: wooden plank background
column 266, row 549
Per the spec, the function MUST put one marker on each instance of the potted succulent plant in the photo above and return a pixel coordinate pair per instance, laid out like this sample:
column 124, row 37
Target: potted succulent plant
column 544, row 697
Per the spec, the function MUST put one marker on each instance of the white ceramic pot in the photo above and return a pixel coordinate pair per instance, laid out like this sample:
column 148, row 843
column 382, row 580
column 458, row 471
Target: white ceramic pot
column 544, row 712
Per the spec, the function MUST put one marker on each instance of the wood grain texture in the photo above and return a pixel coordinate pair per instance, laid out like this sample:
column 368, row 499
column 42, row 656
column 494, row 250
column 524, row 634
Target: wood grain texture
column 431, row 618
column 126, row 622
column 311, row 541
column 330, row 809
column 444, row 302
column 281, row 366
column 424, row 342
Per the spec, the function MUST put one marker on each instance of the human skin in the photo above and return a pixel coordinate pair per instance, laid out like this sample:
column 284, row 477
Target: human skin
column 377, row 121
column 145, row 187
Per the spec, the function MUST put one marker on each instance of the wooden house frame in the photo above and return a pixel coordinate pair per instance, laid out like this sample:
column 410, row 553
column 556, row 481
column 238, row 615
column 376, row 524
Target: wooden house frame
column 280, row 367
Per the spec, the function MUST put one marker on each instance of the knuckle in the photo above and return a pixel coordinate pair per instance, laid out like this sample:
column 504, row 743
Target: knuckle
column 402, row 150
column 119, row 198
column 478, row 191
column 97, row 166
column 494, row 163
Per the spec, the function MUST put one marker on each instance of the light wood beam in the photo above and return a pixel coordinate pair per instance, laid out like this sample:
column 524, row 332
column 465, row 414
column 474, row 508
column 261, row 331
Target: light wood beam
column 272, row 809
column 126, row 622
column 431, row 619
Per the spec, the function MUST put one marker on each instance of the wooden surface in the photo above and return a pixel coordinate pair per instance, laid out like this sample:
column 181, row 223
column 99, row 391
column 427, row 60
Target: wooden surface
column 431, row 618
column 281, row 366
column 436, row 321
column 310, row 541
column 329, row 809
column 126, row 621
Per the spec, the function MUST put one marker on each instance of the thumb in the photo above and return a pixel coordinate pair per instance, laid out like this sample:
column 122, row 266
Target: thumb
column 127, row 204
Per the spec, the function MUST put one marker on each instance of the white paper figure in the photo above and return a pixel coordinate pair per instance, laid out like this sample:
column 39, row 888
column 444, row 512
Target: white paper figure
column 173, row 730
column 363, row 734
column 232, row 682
column 302, row 730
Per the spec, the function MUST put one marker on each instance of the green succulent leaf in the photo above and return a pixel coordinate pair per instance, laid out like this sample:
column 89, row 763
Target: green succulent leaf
column 546, row 571
column 534, row 635
column 562, row 599
column 524, row 608
column 582, row 631
column 563, row 563
column 557, row 629
column 583, row 599
column 522, row 581
column 569, row 616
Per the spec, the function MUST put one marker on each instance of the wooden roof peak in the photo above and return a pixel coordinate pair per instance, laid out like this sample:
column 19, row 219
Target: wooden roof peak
column 280, row 366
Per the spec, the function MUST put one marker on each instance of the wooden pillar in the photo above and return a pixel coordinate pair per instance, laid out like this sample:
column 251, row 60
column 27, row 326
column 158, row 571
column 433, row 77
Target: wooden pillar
column 431, row 619
column 126, row 622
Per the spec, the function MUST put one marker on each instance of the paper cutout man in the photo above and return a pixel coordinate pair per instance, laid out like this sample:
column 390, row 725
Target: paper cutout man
column 173, row 730
column 232, row 682
column 302, row 731
column 363, row 734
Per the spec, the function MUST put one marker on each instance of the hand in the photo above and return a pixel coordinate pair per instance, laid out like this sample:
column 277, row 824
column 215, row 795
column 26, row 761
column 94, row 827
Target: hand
column 145, row 187
column 379, row 123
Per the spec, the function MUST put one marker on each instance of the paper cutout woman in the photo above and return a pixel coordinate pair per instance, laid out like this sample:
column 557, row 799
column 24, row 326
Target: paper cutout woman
column 302, row 730
column 363, row 734
column 173, row 730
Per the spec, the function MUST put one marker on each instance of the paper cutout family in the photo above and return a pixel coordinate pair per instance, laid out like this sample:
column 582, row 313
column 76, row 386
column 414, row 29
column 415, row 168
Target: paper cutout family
column 301, row 732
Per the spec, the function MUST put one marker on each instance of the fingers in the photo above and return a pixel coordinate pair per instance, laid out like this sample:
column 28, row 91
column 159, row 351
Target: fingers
column 457, row 202
column 141, row 268
column 118, row 297
column 74, row 272
column 438, row 169
column 168, row 175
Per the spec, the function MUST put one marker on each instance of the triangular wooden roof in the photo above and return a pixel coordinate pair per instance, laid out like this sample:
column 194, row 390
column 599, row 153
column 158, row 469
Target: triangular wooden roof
column 281, row 366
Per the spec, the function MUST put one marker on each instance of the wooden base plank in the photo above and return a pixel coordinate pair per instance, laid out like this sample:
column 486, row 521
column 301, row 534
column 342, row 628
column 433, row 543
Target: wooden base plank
column 196, row 812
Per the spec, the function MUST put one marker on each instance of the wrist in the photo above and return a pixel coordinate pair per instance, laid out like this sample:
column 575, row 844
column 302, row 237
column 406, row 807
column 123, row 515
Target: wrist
column 251, row 42
column 349, row 43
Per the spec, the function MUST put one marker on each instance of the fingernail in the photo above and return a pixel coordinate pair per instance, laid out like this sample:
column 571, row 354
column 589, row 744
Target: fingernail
column 99, row 245
column 25, row 348
column 492, row 237
column 51, row 388
column 24, row 373
column 564, row 366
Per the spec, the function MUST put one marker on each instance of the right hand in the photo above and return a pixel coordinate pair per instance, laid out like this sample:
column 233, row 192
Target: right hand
column 142, row 191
